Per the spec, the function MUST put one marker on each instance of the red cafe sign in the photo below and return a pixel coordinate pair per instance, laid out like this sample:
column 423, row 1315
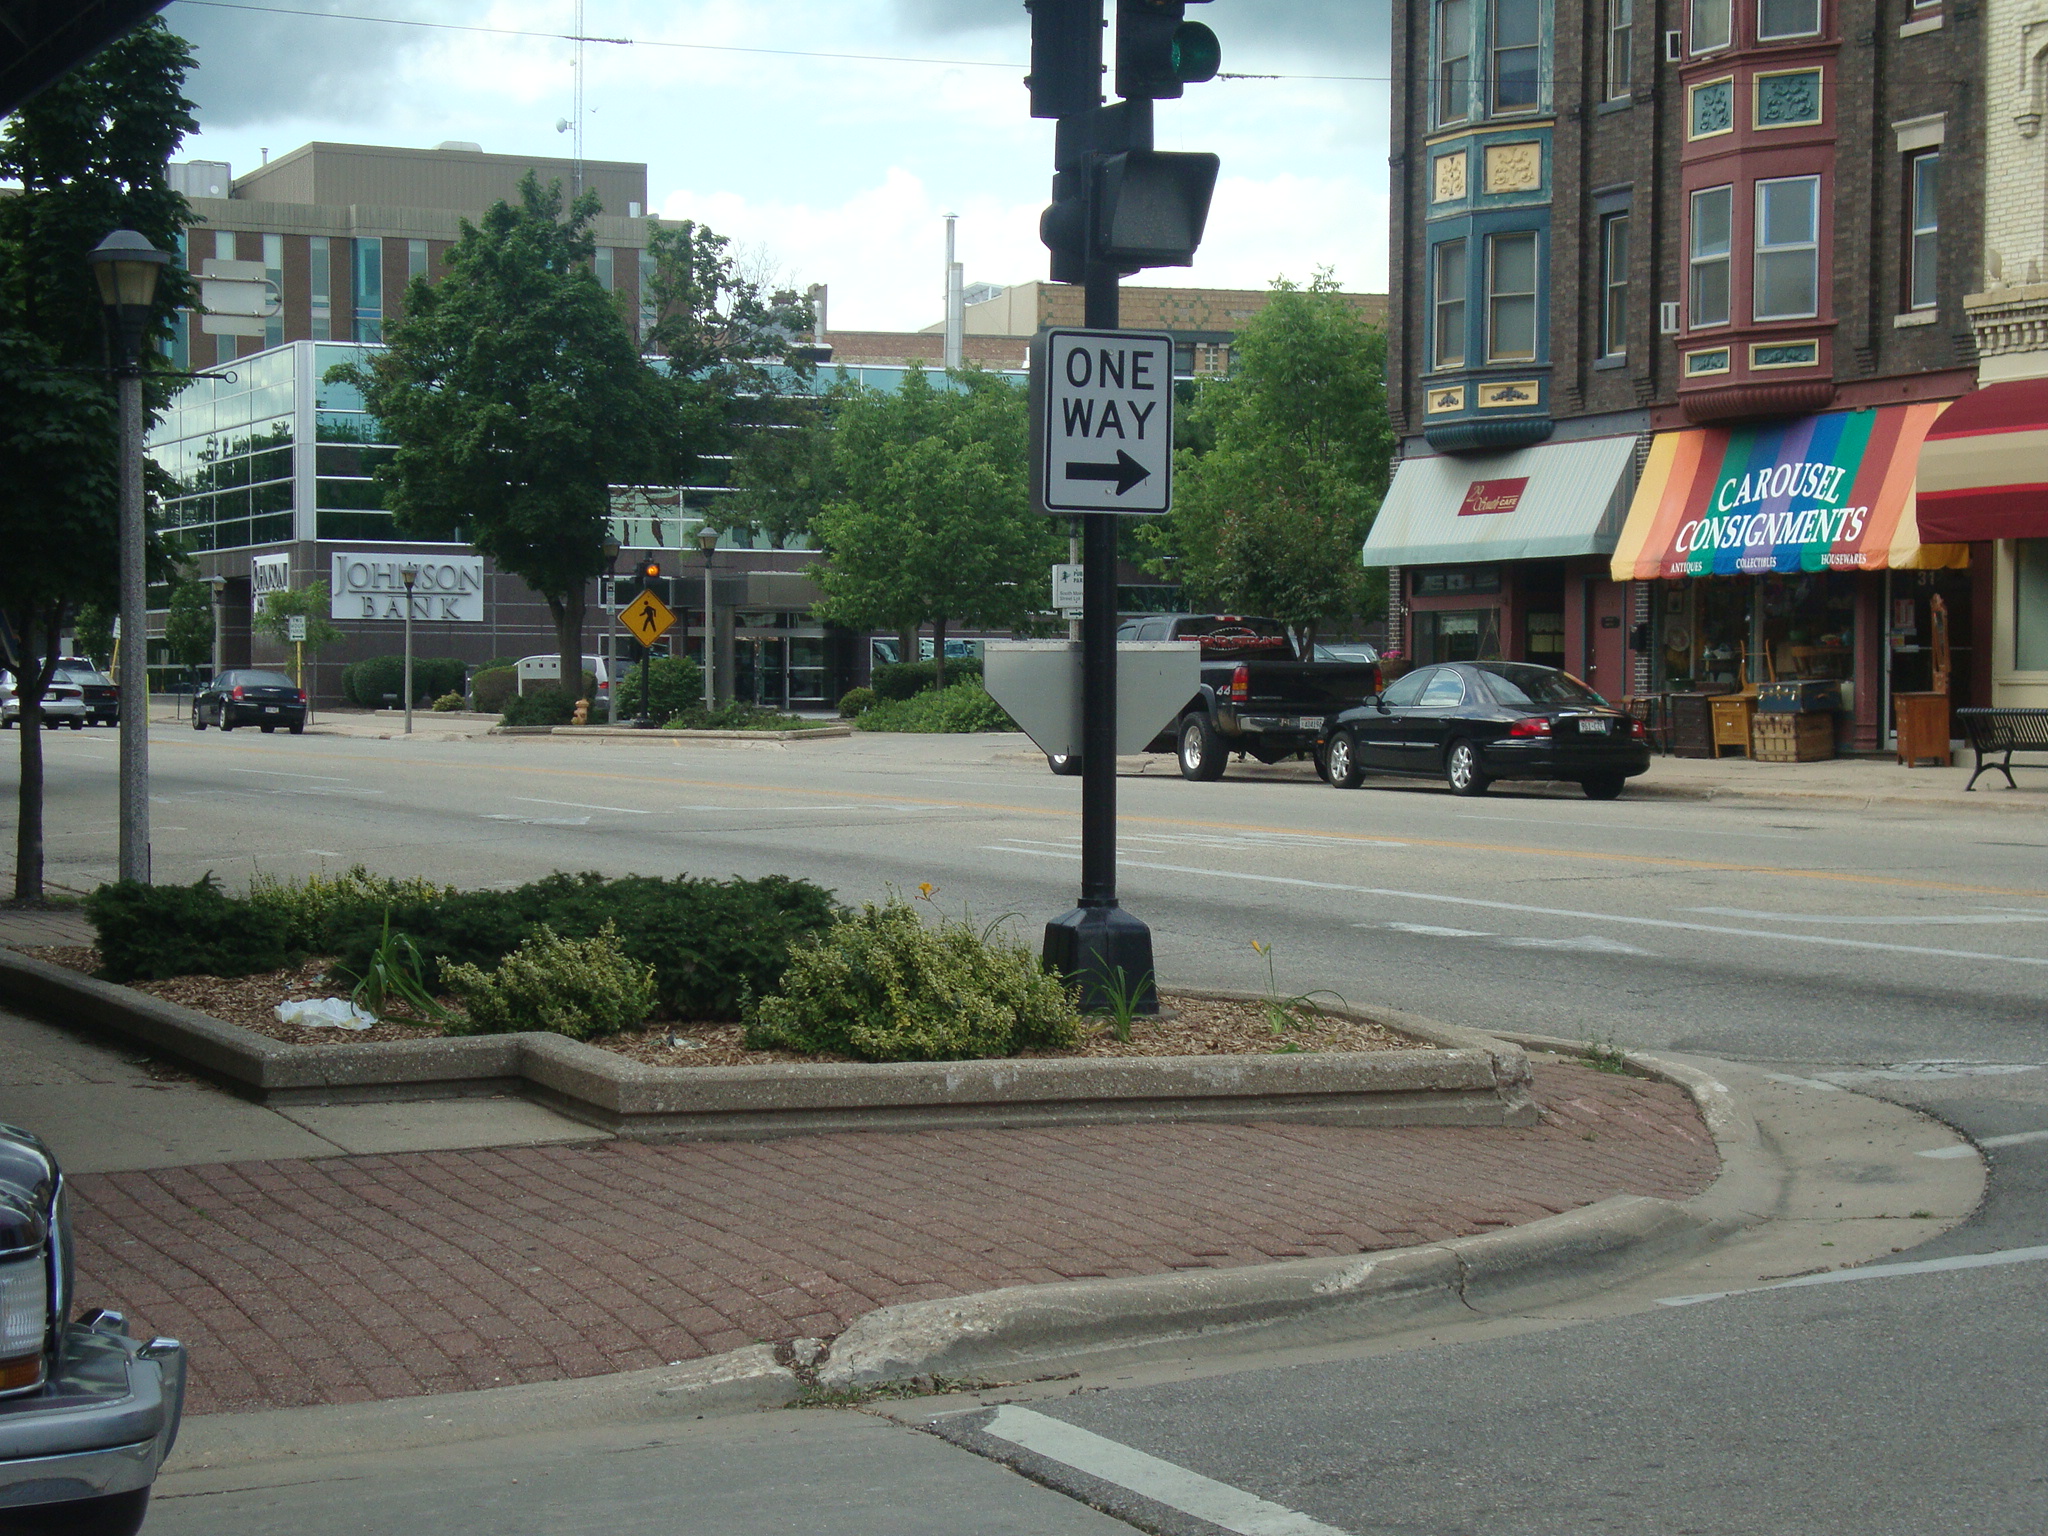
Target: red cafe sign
column 1483, row 497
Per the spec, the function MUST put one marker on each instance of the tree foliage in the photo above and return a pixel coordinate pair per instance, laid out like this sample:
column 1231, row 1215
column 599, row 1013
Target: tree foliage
column 784, row 472
column 1284, row 465
column 88, row 154
column 312, row 603
column 188, row 624
column 933, row 521
column 517, row 397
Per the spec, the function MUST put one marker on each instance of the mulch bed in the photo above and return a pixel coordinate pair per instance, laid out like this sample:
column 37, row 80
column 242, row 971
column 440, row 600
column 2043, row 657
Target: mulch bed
column 1186, row 1026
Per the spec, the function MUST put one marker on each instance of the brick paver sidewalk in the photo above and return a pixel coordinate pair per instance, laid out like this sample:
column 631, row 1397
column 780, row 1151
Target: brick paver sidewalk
column 349, row 1278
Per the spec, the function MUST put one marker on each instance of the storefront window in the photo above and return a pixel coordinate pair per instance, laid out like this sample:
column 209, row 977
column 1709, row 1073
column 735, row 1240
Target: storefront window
column 1543, row 639
column 1470, row 634
column 2030, row 605
column 1808, row 626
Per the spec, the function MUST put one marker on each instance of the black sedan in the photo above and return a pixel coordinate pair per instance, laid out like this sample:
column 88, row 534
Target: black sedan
column 102, row 694
column 1477, row 721
column 250, row 697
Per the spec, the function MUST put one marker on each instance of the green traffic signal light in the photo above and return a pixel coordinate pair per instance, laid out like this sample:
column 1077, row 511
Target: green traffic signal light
column 1196, row 53
column 1157, row 52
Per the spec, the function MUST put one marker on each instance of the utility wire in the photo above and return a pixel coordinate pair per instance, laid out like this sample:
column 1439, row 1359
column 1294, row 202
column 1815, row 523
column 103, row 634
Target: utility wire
column 647, row 42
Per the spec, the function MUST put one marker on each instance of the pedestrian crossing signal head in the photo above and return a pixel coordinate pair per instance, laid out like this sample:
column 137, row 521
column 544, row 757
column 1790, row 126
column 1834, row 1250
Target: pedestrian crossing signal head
column 650, row 570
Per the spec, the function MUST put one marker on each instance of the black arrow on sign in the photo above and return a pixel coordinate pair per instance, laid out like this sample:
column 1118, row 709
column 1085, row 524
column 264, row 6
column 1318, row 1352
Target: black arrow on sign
column 1126, row 472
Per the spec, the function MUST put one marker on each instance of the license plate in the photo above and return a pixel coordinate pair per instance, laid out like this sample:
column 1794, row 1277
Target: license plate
column 1311, row 722
column 1597, row 726
column 270, row 709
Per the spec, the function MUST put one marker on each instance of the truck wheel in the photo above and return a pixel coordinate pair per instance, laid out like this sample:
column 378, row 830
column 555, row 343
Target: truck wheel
column 1462, row 772
column 1342, row 756
column 1066, row 764
column 1202, row 755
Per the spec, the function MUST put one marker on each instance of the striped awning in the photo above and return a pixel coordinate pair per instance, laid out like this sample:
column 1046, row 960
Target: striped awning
column 1559, row 500
column 1818, row 493
column 1984, row 470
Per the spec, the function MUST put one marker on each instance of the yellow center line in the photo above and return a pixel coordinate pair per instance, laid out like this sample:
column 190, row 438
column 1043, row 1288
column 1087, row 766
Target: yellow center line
column 1654, row 861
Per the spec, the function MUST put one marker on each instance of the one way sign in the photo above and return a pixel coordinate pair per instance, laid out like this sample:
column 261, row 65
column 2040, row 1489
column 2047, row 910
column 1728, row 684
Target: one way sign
column 1101, row 421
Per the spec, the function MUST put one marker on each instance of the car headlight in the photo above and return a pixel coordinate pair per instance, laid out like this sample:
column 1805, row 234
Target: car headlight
column 24, row 1298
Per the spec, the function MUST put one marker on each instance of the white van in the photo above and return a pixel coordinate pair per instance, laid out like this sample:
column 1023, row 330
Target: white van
column 548, row 669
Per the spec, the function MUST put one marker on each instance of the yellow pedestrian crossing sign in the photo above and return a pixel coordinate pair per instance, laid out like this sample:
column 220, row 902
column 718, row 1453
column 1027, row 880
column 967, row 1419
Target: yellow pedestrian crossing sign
column 648, row 617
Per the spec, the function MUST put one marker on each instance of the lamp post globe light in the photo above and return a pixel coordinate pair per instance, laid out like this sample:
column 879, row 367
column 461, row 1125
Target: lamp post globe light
column 408, row 574
column 707, row 540
column 126, row 267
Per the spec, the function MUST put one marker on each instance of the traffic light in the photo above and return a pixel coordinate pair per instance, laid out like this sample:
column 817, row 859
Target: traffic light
column 1151, row 207
column 1158, row 50
column 650, row 570
column 1066, row 57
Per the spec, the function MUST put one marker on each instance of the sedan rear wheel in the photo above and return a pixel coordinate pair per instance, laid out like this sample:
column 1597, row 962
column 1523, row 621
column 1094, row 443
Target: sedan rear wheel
column 225, row 720
column 1342, row 754
column 1603, row 786
column 1462, row 771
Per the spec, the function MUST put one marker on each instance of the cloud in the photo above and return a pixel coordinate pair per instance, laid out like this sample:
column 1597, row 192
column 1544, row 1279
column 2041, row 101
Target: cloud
column 1319, row 30
column 254, row 67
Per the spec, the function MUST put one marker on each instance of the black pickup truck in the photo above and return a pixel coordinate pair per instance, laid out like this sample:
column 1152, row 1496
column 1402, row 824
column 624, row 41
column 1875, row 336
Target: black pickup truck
column 1258, row 697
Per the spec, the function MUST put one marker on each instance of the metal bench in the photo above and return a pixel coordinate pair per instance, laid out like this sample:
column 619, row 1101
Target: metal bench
column 1990, row 731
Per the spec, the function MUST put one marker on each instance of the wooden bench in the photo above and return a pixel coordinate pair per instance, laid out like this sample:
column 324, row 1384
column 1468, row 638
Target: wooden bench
column 2008, row 731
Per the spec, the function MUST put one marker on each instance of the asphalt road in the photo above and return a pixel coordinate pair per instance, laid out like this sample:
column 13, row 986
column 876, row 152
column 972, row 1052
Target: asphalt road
column 1899, row 952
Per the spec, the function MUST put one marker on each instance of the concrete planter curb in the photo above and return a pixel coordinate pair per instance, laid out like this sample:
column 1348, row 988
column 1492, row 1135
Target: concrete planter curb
column 1466, row 1078
column 621, row 733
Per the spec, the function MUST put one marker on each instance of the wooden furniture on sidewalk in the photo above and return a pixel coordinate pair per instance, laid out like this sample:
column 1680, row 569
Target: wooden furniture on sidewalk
column 1922, row 723
column 1732, row 718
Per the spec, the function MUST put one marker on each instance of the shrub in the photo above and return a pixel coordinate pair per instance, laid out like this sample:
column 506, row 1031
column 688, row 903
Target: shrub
column 711, row 943
column 364, row 683
column 545, row 704
column 450, row 701
column 491, row 687
column 958, row 707
column 149, row 932
column 674, row 683
column 309, row 908
column 734, row 715
column 855, row 700
column 901, row 679
column 573, row 987
column 883, row 985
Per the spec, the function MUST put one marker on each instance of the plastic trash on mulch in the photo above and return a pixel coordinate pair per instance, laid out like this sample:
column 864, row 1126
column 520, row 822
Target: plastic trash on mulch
column 324, row 1013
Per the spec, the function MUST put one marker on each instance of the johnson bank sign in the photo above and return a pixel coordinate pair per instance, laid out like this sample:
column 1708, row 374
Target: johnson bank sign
column 372, row 586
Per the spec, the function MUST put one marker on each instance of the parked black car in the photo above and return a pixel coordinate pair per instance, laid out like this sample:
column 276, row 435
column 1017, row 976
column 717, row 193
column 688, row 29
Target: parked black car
column 1477, row 721
column 101, row 693
column 87, row 1415
column 250, row 697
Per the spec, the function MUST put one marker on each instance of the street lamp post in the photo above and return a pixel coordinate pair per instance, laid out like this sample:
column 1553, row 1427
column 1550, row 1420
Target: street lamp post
column 707, row 540
column 608, row 599
column 126, row 266
column 408, row 574
column 218, row 586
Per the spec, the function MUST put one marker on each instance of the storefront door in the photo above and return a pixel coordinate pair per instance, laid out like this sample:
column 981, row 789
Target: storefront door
column 1912, row 638
column 1604, row 661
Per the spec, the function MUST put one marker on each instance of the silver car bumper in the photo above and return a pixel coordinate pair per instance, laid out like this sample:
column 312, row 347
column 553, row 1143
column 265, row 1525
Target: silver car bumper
column 103, row 1424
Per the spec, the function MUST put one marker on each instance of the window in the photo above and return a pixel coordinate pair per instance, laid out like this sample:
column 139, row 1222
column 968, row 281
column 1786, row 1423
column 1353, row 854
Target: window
column 1514, row 56
column 369, row 277
column 1787, row 18
column 1712, row 25
column 1711, row 245
column 1450, row 304
column 1620, row 29
column 320, row 262
column 1454, row 61
column 648, row 315
column 1614, row 285
column 1446, row 688
column 273, row 272
column 1923, row 184
column 1511, row 297
column 415, row 259
column 1788, row 248
column 2030, row 605
column 224, row 244
column 1403, row 691
column 602, row 264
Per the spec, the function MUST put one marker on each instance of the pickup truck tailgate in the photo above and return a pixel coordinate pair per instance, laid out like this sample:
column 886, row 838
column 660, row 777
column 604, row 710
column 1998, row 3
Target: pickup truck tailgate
column 1301, row 687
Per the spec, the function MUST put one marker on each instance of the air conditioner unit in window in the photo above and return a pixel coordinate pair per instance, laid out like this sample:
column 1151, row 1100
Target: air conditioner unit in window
column 1674, row 47
column 1667, row 318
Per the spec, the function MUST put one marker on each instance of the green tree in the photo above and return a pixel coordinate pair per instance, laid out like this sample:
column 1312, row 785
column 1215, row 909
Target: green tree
column 88, row 155
column 934, row 522
column 1284, row 465
column 516, row 397
column 311, row 603
column 784, row 472
column 188, row 625
column 92, row 630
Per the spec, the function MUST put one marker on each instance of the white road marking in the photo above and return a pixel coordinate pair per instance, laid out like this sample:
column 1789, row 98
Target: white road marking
column 1804, row 1082
column 1593, row 943
column 325, row 853
column 1590, row 825
column 541, row 821
column 1163, row 1482
column 1437, row 933
column 1240, row 877
column 1923, row 1071
column 1944, row 919
column 272, row 773
column 1875, row 1272
column 578, row 805
column 2016, row 1139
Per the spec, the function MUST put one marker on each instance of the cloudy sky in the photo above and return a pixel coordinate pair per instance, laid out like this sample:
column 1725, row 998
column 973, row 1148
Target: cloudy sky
column 834, row 169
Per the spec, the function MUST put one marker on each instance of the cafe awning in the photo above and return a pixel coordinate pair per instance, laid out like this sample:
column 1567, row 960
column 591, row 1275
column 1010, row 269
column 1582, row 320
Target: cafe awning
column 1549, row 502
column 1984, row 470
column 1817, row 493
